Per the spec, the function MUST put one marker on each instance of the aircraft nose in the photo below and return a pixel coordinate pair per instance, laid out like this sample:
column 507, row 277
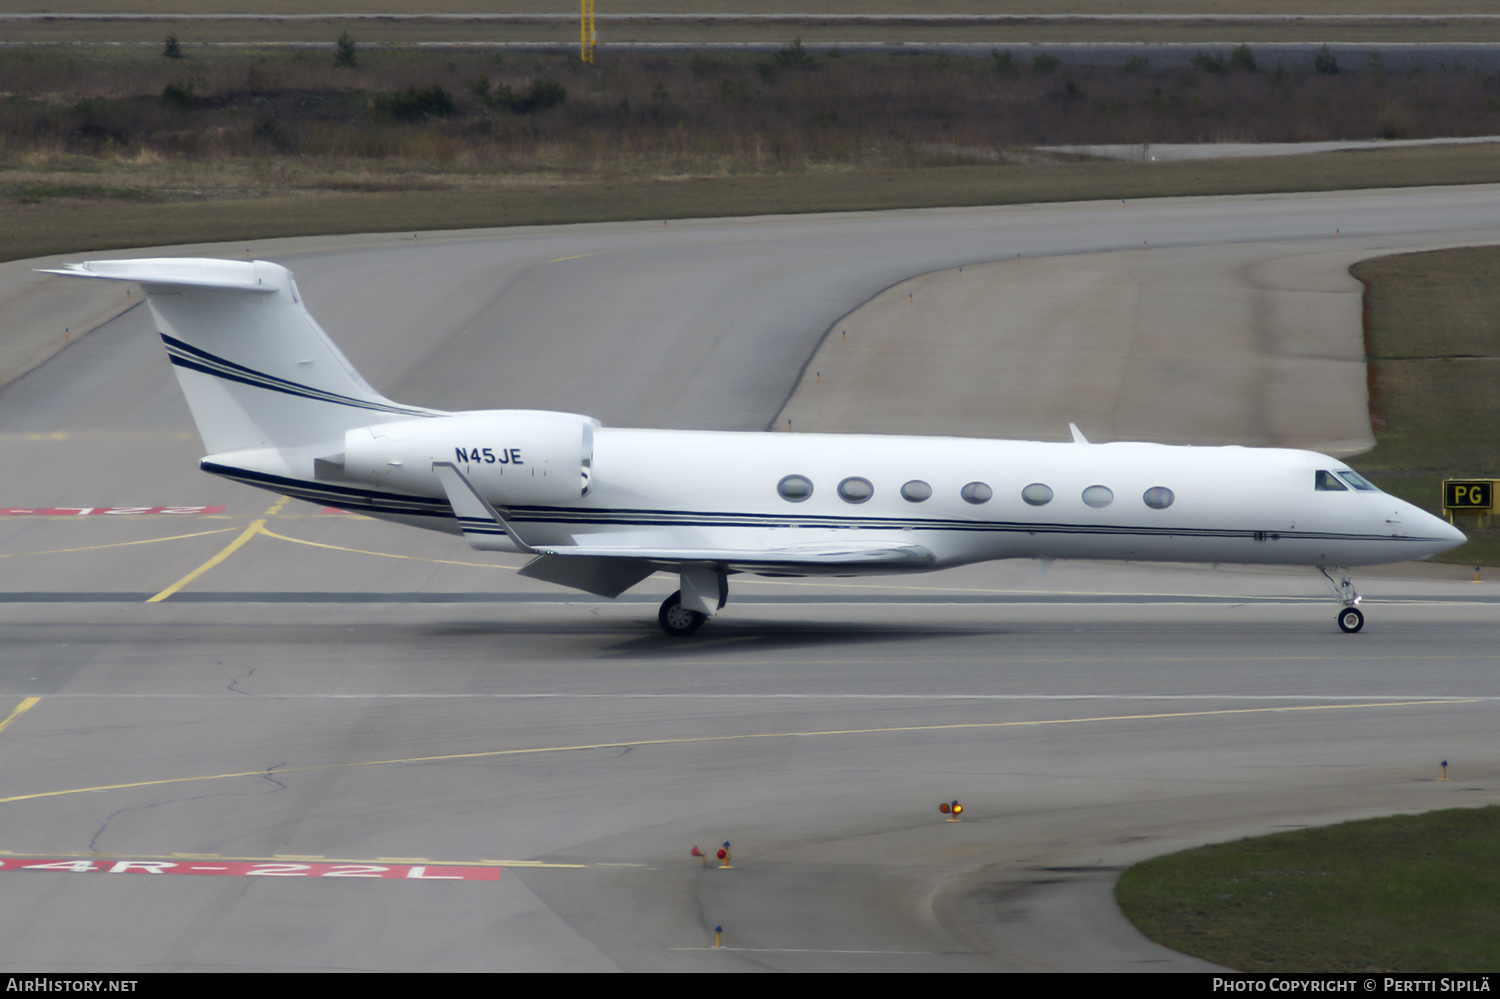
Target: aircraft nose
column 1422, row 524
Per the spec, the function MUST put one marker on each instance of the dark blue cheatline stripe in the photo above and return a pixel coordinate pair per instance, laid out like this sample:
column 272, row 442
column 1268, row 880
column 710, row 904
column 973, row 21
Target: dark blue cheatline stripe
column 668, row 518
column 187, row 356
column 376, row 503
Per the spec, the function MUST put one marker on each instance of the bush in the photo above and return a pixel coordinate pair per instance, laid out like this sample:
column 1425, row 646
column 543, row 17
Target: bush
column 344, row 53
column 173, row 48
column 543, row 94
column 1324, row 61
column 794, row 56
column 1045, row 63
column 1241, row 58
column 412, row 104
column 180, row 94
column 1136, row 64
column 1209, row 63
column 1005, row 63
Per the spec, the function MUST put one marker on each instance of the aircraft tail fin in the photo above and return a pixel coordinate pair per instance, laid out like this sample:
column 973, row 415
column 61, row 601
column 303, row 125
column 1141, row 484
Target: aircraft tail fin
column 255, row 366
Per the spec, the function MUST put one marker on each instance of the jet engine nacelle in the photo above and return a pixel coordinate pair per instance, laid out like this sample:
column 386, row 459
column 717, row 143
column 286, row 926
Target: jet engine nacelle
column 513, row 457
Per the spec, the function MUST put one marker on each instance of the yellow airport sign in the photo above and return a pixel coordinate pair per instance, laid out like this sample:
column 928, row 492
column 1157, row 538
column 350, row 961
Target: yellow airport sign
column 1469, row 495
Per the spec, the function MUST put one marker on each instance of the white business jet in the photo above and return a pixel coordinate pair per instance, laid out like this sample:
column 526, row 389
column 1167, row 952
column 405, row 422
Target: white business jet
column 279, row 407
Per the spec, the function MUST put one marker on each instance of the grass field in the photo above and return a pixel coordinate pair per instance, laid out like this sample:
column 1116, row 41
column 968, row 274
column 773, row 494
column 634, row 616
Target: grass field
column 1433, row 339
column 1405, row 894
column 204, row 204
column 123, row 146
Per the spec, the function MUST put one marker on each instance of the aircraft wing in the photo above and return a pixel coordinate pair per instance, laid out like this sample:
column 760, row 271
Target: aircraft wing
column 609, row 570
column 814, row 558
column 613, row 570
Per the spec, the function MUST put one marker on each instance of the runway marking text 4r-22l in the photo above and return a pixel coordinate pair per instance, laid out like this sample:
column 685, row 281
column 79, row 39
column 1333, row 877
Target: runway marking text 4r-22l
column 264, row 869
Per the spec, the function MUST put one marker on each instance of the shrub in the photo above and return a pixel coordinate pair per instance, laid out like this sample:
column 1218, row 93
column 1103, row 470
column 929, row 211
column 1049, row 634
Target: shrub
column 173, row 48
column 1045, row 62
column 1210, row 63
column 1241, row 58
column 794, row 56
column 344, row 53
column 1136, row 64
column 1005, row 63
column 180, row 94
column 412, row 104
column 1324, row 61
column 543, row 94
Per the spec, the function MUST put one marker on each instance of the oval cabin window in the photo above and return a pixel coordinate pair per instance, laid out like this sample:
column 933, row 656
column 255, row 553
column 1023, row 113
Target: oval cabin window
column 1098, row 496
column 976, row 493
column 1037, row 494
column 795, row 488
column 1158, row 497
column 855, row 490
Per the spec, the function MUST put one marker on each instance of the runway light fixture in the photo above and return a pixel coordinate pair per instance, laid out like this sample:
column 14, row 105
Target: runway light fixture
column 724, row 856
column 702, row 857
column 952, row 809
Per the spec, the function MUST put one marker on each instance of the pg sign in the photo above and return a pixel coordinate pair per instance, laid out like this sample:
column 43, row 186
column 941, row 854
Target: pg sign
column 1476, row 496
column 1469, row 495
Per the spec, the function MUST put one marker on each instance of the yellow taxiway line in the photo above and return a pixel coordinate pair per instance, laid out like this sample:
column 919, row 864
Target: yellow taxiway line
column 636, row 743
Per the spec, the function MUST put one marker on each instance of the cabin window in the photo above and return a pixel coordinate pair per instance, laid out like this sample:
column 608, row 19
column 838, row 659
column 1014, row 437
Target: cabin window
column 795, row 488
column 855, row 490
column 1158, row 497
column 1098, row 496
column 1358, row 482
column 1037, row 494
column 916, row 491
column 976, row 493
column 1329, row 483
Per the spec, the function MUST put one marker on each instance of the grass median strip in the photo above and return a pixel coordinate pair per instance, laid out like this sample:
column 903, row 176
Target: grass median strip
column 1435, row 379
column 1409, row 893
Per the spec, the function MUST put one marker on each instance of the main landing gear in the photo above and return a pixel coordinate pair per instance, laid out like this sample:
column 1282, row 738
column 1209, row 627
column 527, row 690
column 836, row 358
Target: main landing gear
column 677, row 620
column 705, row 590
column 1350, row 618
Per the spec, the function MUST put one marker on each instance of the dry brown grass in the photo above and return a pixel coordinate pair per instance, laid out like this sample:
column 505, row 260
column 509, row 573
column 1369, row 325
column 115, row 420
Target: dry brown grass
column 696, row 115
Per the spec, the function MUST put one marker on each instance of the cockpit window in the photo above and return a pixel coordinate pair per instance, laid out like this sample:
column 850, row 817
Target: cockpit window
column 1329, row 483
column 1358, row 482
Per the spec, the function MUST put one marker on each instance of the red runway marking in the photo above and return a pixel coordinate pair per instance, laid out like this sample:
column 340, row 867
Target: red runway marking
column 265, row 869
column 91, row 511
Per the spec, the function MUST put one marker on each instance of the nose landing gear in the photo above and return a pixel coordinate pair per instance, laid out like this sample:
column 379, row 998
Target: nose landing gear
column 1350, row 617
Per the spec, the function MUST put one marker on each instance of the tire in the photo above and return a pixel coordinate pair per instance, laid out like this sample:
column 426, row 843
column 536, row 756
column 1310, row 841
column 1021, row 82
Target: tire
column 1351, row 620
column 677, row 620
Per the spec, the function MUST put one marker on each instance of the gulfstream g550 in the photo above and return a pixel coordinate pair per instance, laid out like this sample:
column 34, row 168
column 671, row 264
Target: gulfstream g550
column 600, row 509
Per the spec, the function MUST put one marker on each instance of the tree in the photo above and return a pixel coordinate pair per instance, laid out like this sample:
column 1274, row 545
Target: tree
column 344, row 52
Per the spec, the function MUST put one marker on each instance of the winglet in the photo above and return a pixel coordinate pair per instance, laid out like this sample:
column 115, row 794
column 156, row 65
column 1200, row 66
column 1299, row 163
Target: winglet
column 1078, row 437
column 475, row 514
